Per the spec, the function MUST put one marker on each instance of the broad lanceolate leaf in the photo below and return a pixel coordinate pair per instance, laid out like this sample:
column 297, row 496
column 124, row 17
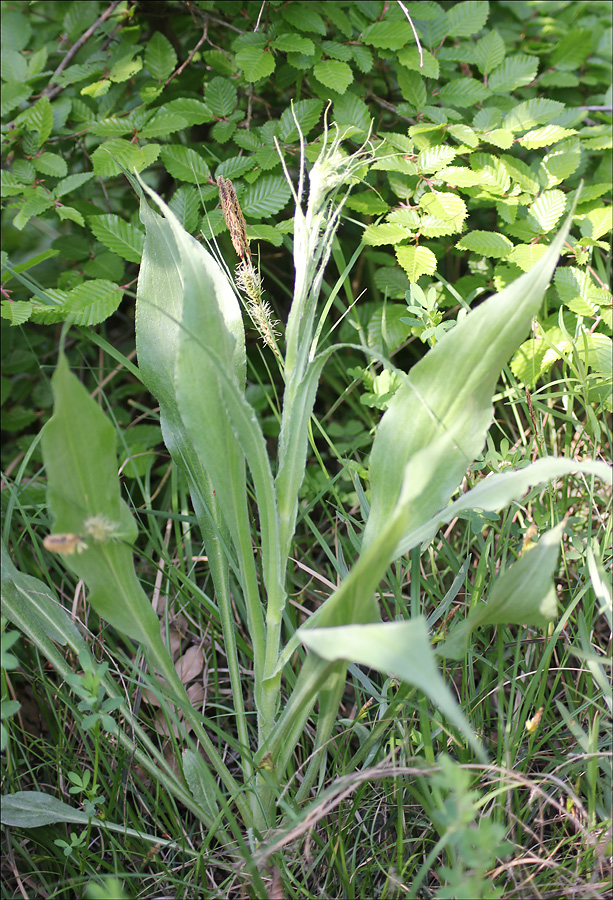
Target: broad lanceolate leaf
column 400, row 648
column 498, row 490
column 449, row 393
column 523, row 595
column 83, row 490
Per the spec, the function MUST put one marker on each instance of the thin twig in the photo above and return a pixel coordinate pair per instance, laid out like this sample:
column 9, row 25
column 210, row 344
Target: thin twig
column 52, row 89
column 191, row 55
column 421, row 52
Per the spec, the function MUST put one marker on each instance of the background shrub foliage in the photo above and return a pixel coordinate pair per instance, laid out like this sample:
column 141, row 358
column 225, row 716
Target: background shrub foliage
column 482, row 131
column 480, row 137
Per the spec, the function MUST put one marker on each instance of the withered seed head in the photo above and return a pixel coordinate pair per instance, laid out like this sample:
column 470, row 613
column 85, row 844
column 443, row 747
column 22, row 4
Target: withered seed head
column 233, row 215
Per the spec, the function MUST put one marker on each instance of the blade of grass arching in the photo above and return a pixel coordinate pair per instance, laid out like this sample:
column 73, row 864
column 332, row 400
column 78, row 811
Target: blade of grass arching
column 523, row 594
column 449, row 391
column 31, row 606
column 94, row 528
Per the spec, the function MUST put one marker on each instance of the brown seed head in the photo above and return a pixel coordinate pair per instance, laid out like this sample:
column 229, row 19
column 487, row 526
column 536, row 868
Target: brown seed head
column 233, row 215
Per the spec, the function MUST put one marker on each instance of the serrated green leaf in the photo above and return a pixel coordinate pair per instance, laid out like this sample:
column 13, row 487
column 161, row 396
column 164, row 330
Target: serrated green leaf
column 40, row 119
column 572, row 50
column 515, row 72
column 266, row 197
column 234, row 167
column 489, row 52
column 337, row 51
column 532, row 112
column 560, row 163
column 545, row 136
column 432, row 30
column 392, row 282
column 267, row 158
column 534, row 357
column 221, row 97
column 51, row 164
column 193, row 111
column 447, row 207
column 72, row 183
column 163, row 125
column 352, row 115
column 267, row 233
column 125, row 69
column 116, row 150
column 494, row 177
column 464, row 135
column 463, row 92
column 526, row 256
column 416, row 261
column 574, row 285
column 410, row 58
column 521, row 173
column 213, row 223
column 547, row 209
column 17, row 312
column 389, row 34
column 468, row 17
column 35, row 203
column 223, row 131
column 294, row 43
column 92, row 302
column 435, row 158
column 412, row 87
column 596, row 223
column 367, row 203
column 112, row 127
column 24, row 171
column 407, row 218
column 185, row 164
column 255, row 63
column 13, row 65
column 334, row 74
column 306, row 112
column 377, row 235
column 363, row 58
column 160, row 58
column 304, row 18
column 487, row 118
column 13, row 95
column 500, row 137
column 118, row 236
column 68, row 212
column 9, row 185
column 97, row 88
column 486, row 243
column 459, row 176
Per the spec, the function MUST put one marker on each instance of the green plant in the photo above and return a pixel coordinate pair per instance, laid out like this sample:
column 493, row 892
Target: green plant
column 190, row 339
column 469, row 209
